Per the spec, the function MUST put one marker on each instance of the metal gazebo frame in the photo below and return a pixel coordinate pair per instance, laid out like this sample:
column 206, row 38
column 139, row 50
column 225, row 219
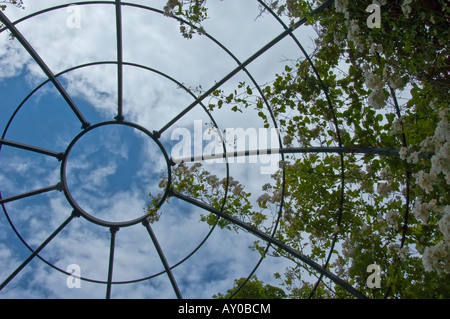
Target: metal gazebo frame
column 119, row 119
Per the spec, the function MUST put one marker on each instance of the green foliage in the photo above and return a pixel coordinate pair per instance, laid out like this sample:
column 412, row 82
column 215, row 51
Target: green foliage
column 17, row 3
column 4, row 5
column 253, row 289
column 386, row 88
column 195, row 181
column 193, row 11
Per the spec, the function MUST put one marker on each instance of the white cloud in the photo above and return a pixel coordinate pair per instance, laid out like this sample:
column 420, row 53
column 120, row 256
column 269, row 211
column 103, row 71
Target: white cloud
column 12, row 59
column 98, row 177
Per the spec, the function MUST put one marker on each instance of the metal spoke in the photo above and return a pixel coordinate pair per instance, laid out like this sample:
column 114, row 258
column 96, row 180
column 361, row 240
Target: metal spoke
column 292, row 150
column 163, row 260
column 38, row 250
column 119, row 116
column 58, row 187
column 113, row 231
column 31, row 148
column 275, row 242
column 12, row 28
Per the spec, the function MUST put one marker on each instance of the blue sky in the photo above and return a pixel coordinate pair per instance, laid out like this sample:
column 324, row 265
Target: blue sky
column 112, row 169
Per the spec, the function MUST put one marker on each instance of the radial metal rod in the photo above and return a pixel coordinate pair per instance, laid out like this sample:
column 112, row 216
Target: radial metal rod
column 119, row 29
column 18, row 35
column 37, row 251
column 113, row 231
column 31, row 148
column 58, row 187
column 163, row 260
column 293, row 150
column 274, row 242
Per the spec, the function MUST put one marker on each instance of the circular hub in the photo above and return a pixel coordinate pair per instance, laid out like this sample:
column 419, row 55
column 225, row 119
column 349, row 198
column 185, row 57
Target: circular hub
column 111, row 161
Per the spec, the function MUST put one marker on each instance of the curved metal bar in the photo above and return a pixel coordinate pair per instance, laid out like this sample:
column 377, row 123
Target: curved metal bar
column 118, row 62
